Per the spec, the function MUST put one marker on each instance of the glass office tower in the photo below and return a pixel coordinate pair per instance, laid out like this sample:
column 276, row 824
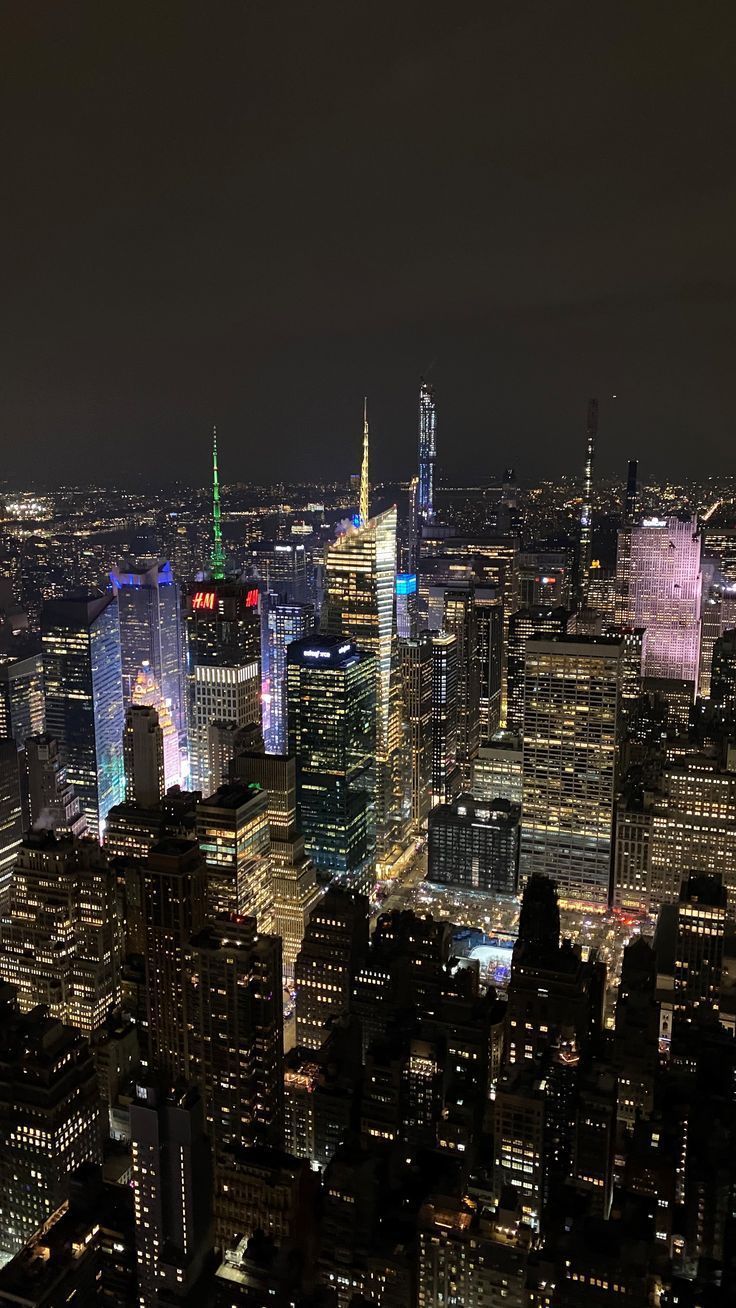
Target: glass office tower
column 151, row 632
column 331, row 700
column 84, row 698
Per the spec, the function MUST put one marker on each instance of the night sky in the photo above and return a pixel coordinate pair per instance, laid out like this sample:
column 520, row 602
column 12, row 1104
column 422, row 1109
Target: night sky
column 254, row 212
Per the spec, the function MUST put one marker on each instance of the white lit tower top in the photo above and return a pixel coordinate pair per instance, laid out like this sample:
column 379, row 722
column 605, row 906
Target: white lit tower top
column 427, row 451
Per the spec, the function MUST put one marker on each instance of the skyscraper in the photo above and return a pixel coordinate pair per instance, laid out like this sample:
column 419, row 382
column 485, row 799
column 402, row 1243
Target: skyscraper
column 52, row 801
column 489, row 624
column 22, row 708
column 331, row 697
column 335, row 944
column 11, row 821
column 143, row 756
column 146, row 693
column 523, row 624
column 445, row 771
column 658, row 587
column 84, row 698
column 224, row 650
column 172, row 1185
column 571, row 739
column 360, row 576
column 416, row 665
column 151, row 632
column 586, row 513
column 174, row 881
column 723, row 675
column 237, row 1014
column 50, row 1116
column 460, row 620
column 284, row 623
column 233, row 834
column 62, row 940
column 427, row 451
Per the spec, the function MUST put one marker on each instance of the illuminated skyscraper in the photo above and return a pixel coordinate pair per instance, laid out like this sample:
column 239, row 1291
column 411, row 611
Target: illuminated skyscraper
column 50, row 1116
column 723, row 675
column 62, row 940
column 460, row 620
column 427, row 451
column 224, row 650
column 11, row 824
column 284, row 623
column 233, row 834
column 360, row 577
column 146, row 693
column 523, row 624
column 445, row 771
column 586, row 514
column 151, row 633
column 22, row 708
column 658, row 587
column 416, row 665
column 84, row 698
column 335, row 944
column 489, row 624
column 571, row 738
column 331, row 696
column 406, row 605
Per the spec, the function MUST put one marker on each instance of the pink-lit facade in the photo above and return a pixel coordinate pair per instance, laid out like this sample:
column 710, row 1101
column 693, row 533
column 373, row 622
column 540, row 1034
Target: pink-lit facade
column 659, row 586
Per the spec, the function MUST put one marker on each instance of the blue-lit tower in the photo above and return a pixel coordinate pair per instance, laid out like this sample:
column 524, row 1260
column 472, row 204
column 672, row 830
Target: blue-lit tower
column 84, row 698
column 151, row 632
column 427, row 452
column 285, row 623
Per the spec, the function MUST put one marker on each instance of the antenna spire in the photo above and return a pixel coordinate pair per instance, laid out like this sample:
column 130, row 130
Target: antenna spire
column 364, row 510
column 217, row 556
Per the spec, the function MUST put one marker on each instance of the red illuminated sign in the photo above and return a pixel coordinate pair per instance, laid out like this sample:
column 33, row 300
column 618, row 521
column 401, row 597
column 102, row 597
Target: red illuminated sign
column 251, row 599
column 204, row 599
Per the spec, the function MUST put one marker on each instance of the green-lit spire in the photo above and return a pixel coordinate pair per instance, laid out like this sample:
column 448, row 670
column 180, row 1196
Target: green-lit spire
column 217, row 557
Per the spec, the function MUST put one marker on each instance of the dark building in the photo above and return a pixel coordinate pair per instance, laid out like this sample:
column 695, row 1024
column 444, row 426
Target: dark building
column 723, row 675
column 334, row 945
column 475, row 845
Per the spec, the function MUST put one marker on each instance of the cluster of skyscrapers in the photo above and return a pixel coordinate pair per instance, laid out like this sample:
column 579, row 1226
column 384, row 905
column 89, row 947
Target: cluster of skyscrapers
column 255, row 832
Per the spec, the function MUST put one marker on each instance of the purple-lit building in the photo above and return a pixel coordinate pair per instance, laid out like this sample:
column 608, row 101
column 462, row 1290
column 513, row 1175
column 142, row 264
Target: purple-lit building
column 659, row 583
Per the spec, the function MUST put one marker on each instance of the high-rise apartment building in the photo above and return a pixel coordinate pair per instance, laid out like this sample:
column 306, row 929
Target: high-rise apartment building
column 62, row 938
column 331, row 695
column 22, row 707
column 445, row 771
column 658, row 587
column 151, row 632
column 334, row 946
column 285, row 623
column 235, row 976
column 50, row 1116
column 416, row 666
column 11, row 820
column 172, row 1186
column 571, row 742
column 523, row 624
column 224, row 652
column 143, row 757
column 233, row 834
column 360, row 577
column 174, row 884
column 84, row 698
